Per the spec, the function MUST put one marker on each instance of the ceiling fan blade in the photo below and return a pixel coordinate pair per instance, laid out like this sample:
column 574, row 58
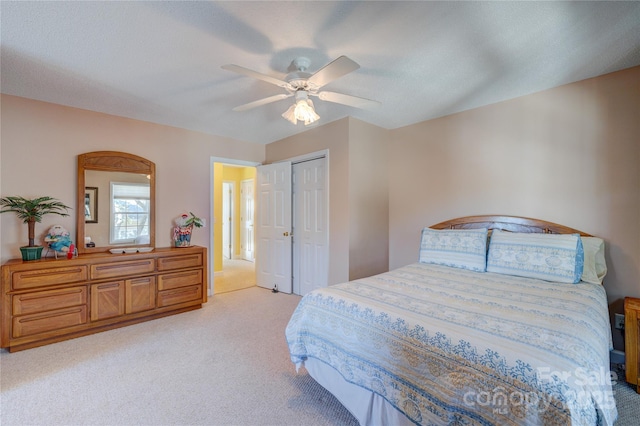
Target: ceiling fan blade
column 353, row 101
column 332, row 71
column 246, row 71
column 262, row 102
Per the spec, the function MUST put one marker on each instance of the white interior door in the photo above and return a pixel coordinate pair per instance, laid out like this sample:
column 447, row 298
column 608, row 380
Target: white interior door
column 273, row 227
column 247, row 219
column 310, row 233
column 227, row 219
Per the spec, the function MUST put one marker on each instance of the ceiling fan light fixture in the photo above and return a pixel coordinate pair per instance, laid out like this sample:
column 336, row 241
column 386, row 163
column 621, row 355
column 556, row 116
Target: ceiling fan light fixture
column 290, row 114
column 302, row 110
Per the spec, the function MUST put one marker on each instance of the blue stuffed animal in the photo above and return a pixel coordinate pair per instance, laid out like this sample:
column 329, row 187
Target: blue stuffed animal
column 59, row 239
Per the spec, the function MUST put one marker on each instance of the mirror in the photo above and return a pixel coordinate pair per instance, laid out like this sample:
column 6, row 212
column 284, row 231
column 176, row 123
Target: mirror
column 116, row 201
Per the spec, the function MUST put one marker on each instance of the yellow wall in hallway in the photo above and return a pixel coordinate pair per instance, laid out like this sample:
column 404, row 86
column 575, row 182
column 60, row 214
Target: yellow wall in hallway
column 236, row 175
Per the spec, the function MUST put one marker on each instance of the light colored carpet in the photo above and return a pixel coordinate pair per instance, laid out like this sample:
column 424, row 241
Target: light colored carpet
column 225, row 364
column 627, row 401
column 237, row 274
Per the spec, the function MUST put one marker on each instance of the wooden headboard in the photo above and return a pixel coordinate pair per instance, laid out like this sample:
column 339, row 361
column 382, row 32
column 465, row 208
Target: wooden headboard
column 508, row 223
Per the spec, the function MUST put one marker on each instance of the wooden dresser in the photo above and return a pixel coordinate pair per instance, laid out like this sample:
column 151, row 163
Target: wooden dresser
column 50, row 300
column 632, row 340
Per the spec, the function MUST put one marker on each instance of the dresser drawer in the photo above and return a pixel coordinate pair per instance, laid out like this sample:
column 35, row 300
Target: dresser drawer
column 21, row 280
column 48, row 300
column 179, row 279
column 119, row 269
column 27, row 325
column 181, row 295
column 180, row 262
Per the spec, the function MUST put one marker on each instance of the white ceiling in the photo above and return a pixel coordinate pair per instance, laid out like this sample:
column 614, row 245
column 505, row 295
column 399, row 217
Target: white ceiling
column 160, row 61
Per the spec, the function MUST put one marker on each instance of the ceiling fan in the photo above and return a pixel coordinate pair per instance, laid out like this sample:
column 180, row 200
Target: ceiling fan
column 302, row 85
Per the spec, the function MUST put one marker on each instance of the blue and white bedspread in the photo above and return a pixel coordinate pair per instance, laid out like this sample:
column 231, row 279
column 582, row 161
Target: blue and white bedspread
column 451, row 346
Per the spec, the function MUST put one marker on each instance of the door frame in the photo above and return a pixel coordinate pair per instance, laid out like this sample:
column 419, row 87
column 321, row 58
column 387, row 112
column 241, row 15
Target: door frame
column 222, row 160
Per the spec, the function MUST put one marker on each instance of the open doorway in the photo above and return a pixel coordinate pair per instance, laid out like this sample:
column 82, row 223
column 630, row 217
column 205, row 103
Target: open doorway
column 232, row 197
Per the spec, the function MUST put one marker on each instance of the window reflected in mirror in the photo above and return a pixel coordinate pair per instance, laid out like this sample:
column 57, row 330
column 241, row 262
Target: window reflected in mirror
column 129, row 219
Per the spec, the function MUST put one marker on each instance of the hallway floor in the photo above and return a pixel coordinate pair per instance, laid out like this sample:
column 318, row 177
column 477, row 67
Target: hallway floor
column 237, row 274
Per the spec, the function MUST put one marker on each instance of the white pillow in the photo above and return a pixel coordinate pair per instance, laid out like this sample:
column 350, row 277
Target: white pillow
column 550, row 257
column 459, row 248
column 595, row 267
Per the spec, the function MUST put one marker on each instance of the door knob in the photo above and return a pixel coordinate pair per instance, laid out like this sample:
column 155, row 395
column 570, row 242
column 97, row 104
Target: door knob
column 286, row 234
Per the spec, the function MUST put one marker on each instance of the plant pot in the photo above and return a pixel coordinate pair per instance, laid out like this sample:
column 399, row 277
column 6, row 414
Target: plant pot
column 31, row 253
column 182, row 236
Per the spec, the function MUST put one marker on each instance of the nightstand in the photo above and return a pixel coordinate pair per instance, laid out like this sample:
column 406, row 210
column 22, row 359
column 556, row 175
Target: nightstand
column 632, row 340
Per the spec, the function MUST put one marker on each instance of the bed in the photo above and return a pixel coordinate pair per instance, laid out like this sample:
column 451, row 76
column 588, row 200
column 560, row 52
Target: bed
column 502, row 321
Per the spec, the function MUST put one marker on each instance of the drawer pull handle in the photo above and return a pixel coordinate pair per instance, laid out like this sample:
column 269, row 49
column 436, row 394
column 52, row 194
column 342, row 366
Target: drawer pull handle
column 50, row 273
column 122, row 265
column 189, row 290
column 180, row 259
column 49, row 315
column 180, row 275
column 25, row 297
column 110, row 285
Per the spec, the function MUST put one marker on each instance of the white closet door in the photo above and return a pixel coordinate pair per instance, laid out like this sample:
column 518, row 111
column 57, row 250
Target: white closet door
column 273, row 226
column 310, row 239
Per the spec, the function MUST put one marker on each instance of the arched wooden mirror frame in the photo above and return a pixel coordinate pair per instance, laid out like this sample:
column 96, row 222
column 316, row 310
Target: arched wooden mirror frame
column 113, row 161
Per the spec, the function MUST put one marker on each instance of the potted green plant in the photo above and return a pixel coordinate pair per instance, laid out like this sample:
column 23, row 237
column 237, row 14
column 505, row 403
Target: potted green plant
column 31, row 211
column 184, row 227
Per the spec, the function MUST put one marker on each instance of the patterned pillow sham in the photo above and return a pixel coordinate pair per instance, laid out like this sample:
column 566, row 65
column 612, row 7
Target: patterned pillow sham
column 459, row 248
column 549, row 257
column 595, row 267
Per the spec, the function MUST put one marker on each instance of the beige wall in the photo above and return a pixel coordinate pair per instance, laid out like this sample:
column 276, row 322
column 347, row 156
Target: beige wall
column 40, row 143
column 569, row 155
column 368, row 200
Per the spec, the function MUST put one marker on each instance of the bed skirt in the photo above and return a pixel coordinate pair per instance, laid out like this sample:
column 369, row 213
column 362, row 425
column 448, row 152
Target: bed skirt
column 370, row 409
